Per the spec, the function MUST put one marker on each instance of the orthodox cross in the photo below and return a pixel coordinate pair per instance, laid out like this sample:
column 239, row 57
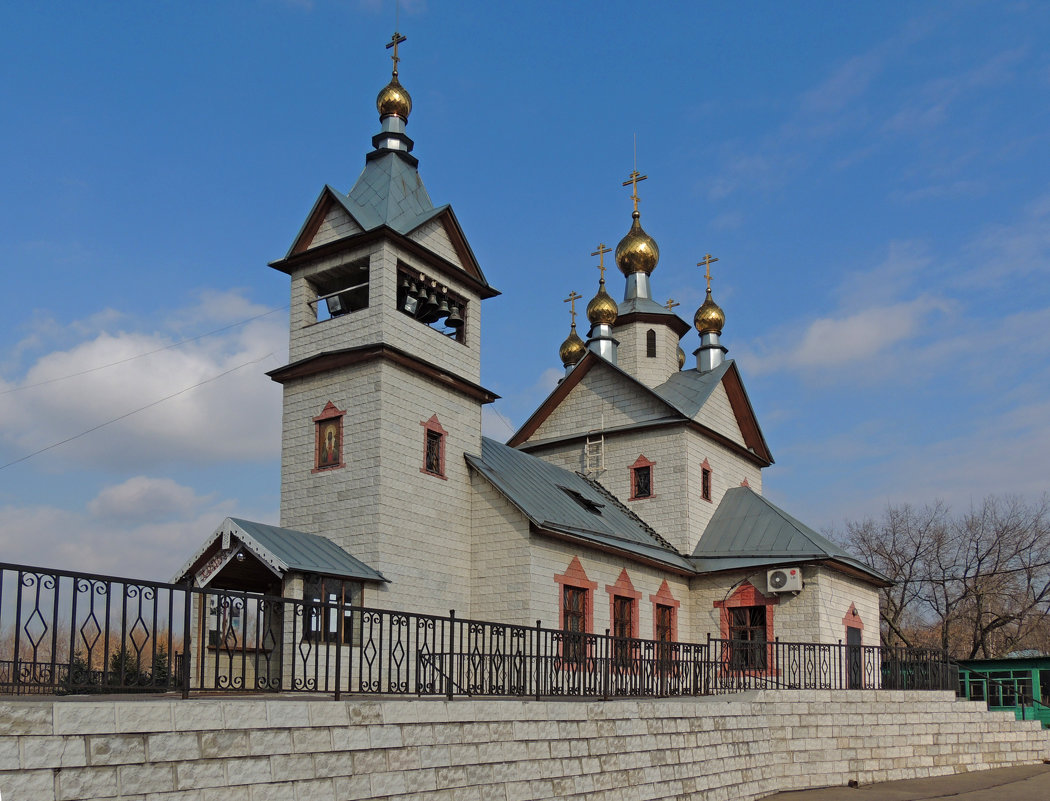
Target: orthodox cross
column 395, row 40
column 633, row 179
column 573, row 297
column 706, row 264
column 671, row 303
column 600, row 253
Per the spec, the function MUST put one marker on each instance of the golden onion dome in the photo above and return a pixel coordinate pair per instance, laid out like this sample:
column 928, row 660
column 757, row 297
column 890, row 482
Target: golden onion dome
column 394, row 100
column 602, row 309
column 681, row 357
column 572, row 349
column 709, row 318
column 637, row 251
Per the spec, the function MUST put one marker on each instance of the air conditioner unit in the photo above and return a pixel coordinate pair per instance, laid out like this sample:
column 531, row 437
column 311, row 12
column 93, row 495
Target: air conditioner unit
column 784, row 579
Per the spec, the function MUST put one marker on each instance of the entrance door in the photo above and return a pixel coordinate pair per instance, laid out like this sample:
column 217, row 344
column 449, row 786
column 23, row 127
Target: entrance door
column 854, row 659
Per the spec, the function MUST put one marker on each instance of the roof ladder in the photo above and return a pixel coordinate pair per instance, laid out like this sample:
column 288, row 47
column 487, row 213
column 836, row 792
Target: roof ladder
column 594, row 454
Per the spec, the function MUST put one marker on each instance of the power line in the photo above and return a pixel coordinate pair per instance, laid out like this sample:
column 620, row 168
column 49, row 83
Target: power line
column 134, row 411
column 141, row 355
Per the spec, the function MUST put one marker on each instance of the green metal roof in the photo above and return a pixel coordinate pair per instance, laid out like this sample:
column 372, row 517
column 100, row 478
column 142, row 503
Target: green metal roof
column 389, row 192
column 547, row 495
column 749, row 531
column 688, row 390
column 285, row 549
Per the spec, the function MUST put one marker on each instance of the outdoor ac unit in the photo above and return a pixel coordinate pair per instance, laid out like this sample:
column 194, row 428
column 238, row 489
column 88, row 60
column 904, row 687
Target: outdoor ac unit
column 784, row 579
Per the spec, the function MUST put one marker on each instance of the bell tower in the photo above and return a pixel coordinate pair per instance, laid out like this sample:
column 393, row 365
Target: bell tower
column 382, row 394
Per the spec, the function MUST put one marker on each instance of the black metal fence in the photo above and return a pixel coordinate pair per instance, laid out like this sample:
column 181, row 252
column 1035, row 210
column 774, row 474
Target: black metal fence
column 67, row 632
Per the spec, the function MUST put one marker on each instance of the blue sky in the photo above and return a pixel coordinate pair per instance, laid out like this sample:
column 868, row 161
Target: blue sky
column 874, row 178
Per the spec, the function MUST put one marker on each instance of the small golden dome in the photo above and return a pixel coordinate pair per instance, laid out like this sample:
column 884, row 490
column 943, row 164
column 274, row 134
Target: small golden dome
column 572, row 349
column 602, row 309
column 394, row 100
column 709, row 318
column 681, row 357
column 637, row 252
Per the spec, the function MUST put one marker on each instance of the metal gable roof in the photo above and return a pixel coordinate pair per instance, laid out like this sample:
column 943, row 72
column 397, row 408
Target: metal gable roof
column 747, row 530
column 545, row 494
column 688, row 390
column 285, row 549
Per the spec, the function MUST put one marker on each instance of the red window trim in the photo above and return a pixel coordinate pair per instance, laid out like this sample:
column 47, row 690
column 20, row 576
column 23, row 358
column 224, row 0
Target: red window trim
column 432, row 425
column 852, row 619
column 625, row 589
column 749, row 595
column 575, row 576
column 641, row 461
column 328, row 413
column 663, row 597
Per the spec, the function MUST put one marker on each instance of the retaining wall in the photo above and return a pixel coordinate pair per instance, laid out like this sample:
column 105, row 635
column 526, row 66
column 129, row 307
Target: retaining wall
column 278, row 749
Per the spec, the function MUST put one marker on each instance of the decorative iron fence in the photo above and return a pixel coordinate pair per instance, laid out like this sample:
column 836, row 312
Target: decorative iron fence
column 67, row 632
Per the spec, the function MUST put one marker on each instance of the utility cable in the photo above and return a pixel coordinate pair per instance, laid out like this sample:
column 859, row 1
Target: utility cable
column 141, row 355
column 134, row 411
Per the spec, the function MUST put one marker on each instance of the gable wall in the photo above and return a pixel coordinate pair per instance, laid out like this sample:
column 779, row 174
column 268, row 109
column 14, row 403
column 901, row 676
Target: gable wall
column 717, row 414
column 335, row 225
column 601, row 399
column 433, row 236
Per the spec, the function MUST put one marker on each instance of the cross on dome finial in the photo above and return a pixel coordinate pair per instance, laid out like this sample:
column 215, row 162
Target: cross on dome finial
column 706, row 264
column 600, row 253
column 671, row 303
column 395, row 40
column 633, row 180
column 573, row 297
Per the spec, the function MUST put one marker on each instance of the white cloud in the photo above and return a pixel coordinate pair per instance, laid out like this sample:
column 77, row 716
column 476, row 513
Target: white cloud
column 140, row 499
column 234, row 417
column 142, row 528
column 495, row 425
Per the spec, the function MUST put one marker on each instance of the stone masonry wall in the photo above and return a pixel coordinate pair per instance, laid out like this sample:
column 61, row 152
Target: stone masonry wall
column 740, row 747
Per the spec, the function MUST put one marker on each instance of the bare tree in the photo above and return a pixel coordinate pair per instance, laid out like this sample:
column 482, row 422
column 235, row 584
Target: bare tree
column 976, row 584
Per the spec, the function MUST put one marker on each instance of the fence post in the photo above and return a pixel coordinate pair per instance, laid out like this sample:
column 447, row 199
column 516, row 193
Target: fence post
column 339, row 651
column 186, row 640
column 610, row 649
column 451, row 653
column 538, row 658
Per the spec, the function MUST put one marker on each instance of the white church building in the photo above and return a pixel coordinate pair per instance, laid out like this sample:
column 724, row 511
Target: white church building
column 630, row 501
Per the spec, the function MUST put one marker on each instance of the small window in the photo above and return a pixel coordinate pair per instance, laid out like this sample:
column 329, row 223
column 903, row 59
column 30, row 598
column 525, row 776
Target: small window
column 434, row 437
column 643, row 482
column 650, row 344
column 329, row 616
column 705, row 481
column 641, row 479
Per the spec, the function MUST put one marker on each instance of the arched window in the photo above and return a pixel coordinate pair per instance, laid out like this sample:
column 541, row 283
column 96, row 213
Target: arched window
column 650, row 343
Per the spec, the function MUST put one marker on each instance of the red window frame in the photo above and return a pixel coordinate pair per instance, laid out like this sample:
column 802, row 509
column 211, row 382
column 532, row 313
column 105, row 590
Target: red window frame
column 706, row 480
column 572, row 647
column 748, row 596
column 644, row 465
column 434, row 436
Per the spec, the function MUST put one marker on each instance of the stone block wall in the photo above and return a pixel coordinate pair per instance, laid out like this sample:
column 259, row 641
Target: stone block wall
column 256, row 749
